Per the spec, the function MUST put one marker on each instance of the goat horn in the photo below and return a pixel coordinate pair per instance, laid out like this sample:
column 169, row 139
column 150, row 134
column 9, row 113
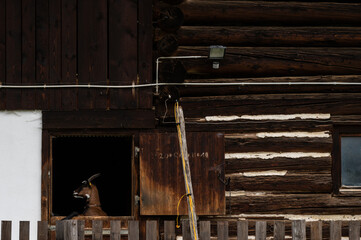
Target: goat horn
column 93, row 177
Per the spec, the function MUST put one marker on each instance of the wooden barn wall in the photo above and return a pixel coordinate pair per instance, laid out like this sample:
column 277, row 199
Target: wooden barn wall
column 70, row 42
column 278, row 138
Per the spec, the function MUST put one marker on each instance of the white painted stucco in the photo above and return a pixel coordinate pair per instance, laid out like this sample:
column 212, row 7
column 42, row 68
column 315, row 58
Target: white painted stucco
column 20, row 168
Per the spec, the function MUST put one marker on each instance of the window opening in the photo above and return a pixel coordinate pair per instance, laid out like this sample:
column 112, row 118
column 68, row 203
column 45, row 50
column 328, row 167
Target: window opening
column 351, row 161
column 77, row 158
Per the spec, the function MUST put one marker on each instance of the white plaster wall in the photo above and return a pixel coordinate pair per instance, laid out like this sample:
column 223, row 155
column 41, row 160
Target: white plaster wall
column 20, row 168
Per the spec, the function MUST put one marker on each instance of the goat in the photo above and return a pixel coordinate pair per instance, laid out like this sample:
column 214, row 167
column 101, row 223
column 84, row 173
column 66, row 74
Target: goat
column 90, row 192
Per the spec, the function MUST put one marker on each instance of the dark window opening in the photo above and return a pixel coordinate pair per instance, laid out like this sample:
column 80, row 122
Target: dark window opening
column 351, row 161
column 77, row 158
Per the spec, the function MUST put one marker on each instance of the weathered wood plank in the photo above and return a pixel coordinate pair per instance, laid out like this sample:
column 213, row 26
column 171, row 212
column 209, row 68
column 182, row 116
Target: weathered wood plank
column 265, row 36
column 97, row 228
column 276, row 144
column 186, row 231
column 99, row 119
column 55, row 53
column 28, row 53
column 42, row 52
column 279, row 230
column 261, row 230
column 299, row 230
column 320, row 183
column 272, row 61
column 24, row 230
column 123, row 52
column 204, row 230
column 145, row 58
column 92, row 52
column 69, row 53
column 335, row 230
column 133, row 229
column 242, row 230
column 60, row 230
column 169, row 230
column 309, row 165
column 2, row 52
column 115, row 227
column 354, row 230
column 256, row 12
column 308, row 203
column 222, row 230
column 71, row 230
column 43, row 230
column 13, row 53
column 151, row 230
column 316, row 230
column 81, row 227
column 5, row 230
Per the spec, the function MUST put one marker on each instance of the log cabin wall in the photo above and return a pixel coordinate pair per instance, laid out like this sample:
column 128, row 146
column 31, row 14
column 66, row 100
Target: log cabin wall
column 278, row 138
column 70, row 42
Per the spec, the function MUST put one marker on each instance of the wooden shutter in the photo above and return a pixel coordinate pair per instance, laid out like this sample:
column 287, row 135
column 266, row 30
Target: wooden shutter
column 161, row 174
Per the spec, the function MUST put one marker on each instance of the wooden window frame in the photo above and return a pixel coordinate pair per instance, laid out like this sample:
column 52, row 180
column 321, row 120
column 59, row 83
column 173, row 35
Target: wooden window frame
column 47, row 173
column 338, row 132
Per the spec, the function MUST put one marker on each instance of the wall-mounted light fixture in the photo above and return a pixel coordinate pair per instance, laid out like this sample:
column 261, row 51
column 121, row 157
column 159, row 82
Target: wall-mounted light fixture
column 216, row 52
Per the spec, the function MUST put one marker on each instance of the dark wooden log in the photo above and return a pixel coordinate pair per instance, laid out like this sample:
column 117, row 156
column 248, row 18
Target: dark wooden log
column 169, row 19
column 173, row 2
column 321, row 183
column 267, row 62
column 256, row 12
column 69, row 54
column 259, row 203
column 13, row 53
column 279, row 144
column 309, row 165
column 167, row 45
column 338, row 104
column 2, row 51
column 172, row 71
column 217, row 90
column 265, row 36
column 28, row 53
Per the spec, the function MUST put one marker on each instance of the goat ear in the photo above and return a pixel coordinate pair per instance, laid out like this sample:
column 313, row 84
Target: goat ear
column 93, row 177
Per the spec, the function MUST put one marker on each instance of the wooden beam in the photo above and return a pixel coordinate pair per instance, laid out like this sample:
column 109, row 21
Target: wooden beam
column 99, row 119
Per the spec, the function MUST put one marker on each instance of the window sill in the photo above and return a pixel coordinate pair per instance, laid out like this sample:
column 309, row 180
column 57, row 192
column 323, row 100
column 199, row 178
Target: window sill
column 349, row 192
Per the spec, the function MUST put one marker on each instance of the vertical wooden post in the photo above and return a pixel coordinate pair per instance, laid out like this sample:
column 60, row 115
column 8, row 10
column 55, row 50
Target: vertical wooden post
column 115, row 227
column 186, row 231
column 42, row 230
column 354, row 230
column 186, row 171
column 335, row 230
column 299, row 230
column 97, row 227
column 24, row 230
column 316, row 230
column 133, row 228
column 151, row 230
column 222, row 230
column 205, row 230
column 242, row 230
column 81, row 227
column 71, row 230
column 261, row 230
column 169, row 230
column 5, row 230
column 279, row 230
column 59, row 230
